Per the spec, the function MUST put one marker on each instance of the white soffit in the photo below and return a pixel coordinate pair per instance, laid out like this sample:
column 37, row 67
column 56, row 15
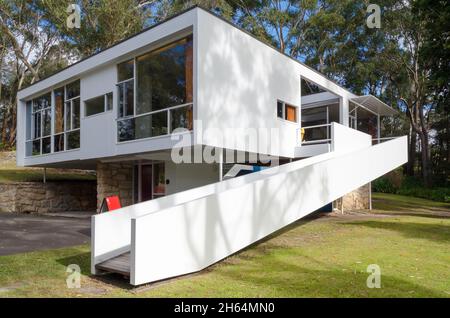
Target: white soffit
column 375, row 105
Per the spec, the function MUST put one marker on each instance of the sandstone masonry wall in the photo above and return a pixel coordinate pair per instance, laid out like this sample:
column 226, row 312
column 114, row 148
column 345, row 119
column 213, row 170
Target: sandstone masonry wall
column 38, row 197
column 115, row 179
column 356, row 200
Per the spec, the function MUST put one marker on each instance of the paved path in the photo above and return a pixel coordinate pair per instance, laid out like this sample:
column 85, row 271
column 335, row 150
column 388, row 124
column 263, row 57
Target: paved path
column 26, row 233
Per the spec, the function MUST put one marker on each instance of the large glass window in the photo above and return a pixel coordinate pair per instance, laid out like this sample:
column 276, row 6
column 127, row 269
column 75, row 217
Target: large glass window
column 125, row 88
column 72, row 116
column 319, row 118
column 39, row 112
column 164, row 77
column 163, row 98
column 65, row 116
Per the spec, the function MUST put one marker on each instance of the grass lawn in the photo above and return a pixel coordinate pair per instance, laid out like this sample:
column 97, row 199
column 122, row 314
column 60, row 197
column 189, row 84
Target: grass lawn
column 9, row 172
column 36, row 175
column 323, row 257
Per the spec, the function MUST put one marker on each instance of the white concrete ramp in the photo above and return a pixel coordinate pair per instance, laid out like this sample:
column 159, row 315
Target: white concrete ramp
column 188, row 231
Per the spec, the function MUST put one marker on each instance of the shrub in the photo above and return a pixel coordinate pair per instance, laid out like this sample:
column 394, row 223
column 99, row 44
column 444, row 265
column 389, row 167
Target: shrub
column 383, row 185
column 409, row 186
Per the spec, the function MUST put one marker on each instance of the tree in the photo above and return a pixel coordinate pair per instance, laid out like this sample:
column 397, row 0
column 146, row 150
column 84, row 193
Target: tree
column 406, row 35
column 436, row 52
column 26, row 42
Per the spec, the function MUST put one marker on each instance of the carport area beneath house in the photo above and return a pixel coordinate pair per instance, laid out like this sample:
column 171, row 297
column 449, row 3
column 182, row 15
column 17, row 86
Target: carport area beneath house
column 21, row 233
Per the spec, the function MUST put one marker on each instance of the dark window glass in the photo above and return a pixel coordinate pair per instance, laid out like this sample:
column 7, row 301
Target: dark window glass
column 36, row 105
column 73, row 89
column 46, row 145
column 367, row 122
column 151, row 125
column 159, row 180
column 47, row 122
column 73, row 140
column 37, row 125
column 67, row 116
column 46, row 100
column 129, row 98
column 125, row 70
column 109, row 101
column 333, row 113
column 95, row 105
column 125, row 129
column 76, row 113
column 280, row 109
column 36, row 147
column 314, row 116
column 181, row 118
column 59, row 110
column 126, row 98
column 59, row 142
column 164, row 77
column 121, row 100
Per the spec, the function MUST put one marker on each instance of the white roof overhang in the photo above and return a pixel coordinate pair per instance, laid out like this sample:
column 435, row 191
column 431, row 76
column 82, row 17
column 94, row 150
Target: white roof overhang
column 374, row 104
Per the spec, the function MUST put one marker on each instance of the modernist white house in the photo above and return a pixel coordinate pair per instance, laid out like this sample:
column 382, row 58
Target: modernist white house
column 198, row 82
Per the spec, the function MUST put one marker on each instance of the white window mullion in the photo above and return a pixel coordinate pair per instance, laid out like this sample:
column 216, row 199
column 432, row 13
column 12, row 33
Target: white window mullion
column 52, row 121
column 134, row 86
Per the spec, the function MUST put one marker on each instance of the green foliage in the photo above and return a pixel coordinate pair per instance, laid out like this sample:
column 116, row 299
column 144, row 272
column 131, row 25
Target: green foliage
column 411, row 186
column 383, row 185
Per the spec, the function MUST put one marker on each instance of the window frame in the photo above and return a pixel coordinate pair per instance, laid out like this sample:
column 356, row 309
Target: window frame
column 120, row 85
column 105, row 104
column 31, row 138
column 33, row 113
column 283, row 118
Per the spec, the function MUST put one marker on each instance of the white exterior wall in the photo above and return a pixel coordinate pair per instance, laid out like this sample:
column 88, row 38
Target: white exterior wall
column 187, row 176
column 98, row 132
column 239, row 81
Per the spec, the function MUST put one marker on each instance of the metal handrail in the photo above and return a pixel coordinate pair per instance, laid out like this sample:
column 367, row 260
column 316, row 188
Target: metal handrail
column 318, row 141
column 316, row 126
column 168, row 109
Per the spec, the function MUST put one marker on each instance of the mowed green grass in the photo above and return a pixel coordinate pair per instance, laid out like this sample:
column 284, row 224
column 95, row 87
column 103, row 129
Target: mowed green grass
column 320, row 257
column 36, row 175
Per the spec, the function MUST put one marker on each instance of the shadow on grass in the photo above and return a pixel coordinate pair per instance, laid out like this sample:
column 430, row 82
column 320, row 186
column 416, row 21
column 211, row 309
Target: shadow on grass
column 431, row 215
column 434, row 232
column 395, row 204
column 286, row 279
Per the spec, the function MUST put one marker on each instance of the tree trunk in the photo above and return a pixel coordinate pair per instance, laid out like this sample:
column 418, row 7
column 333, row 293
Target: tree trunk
column 411, row 152
column 425, row 159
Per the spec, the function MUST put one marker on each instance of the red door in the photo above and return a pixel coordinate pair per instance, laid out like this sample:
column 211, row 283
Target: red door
column 146, row 182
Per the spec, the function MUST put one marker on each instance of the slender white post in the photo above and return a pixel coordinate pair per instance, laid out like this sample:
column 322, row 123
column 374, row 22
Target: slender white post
column 343, row 111
column 378, row 128
column 221, row 165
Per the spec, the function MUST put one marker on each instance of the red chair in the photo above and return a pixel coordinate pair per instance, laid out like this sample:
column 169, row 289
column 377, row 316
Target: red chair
column 110, row 203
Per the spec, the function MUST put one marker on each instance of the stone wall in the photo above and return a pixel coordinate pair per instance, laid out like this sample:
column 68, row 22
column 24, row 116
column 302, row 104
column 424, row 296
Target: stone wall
column 115, row 179
column 38, row 197
column 356, row 200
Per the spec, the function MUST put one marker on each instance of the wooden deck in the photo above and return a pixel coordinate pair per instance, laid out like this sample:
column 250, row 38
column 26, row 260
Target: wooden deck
column 119, row 264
